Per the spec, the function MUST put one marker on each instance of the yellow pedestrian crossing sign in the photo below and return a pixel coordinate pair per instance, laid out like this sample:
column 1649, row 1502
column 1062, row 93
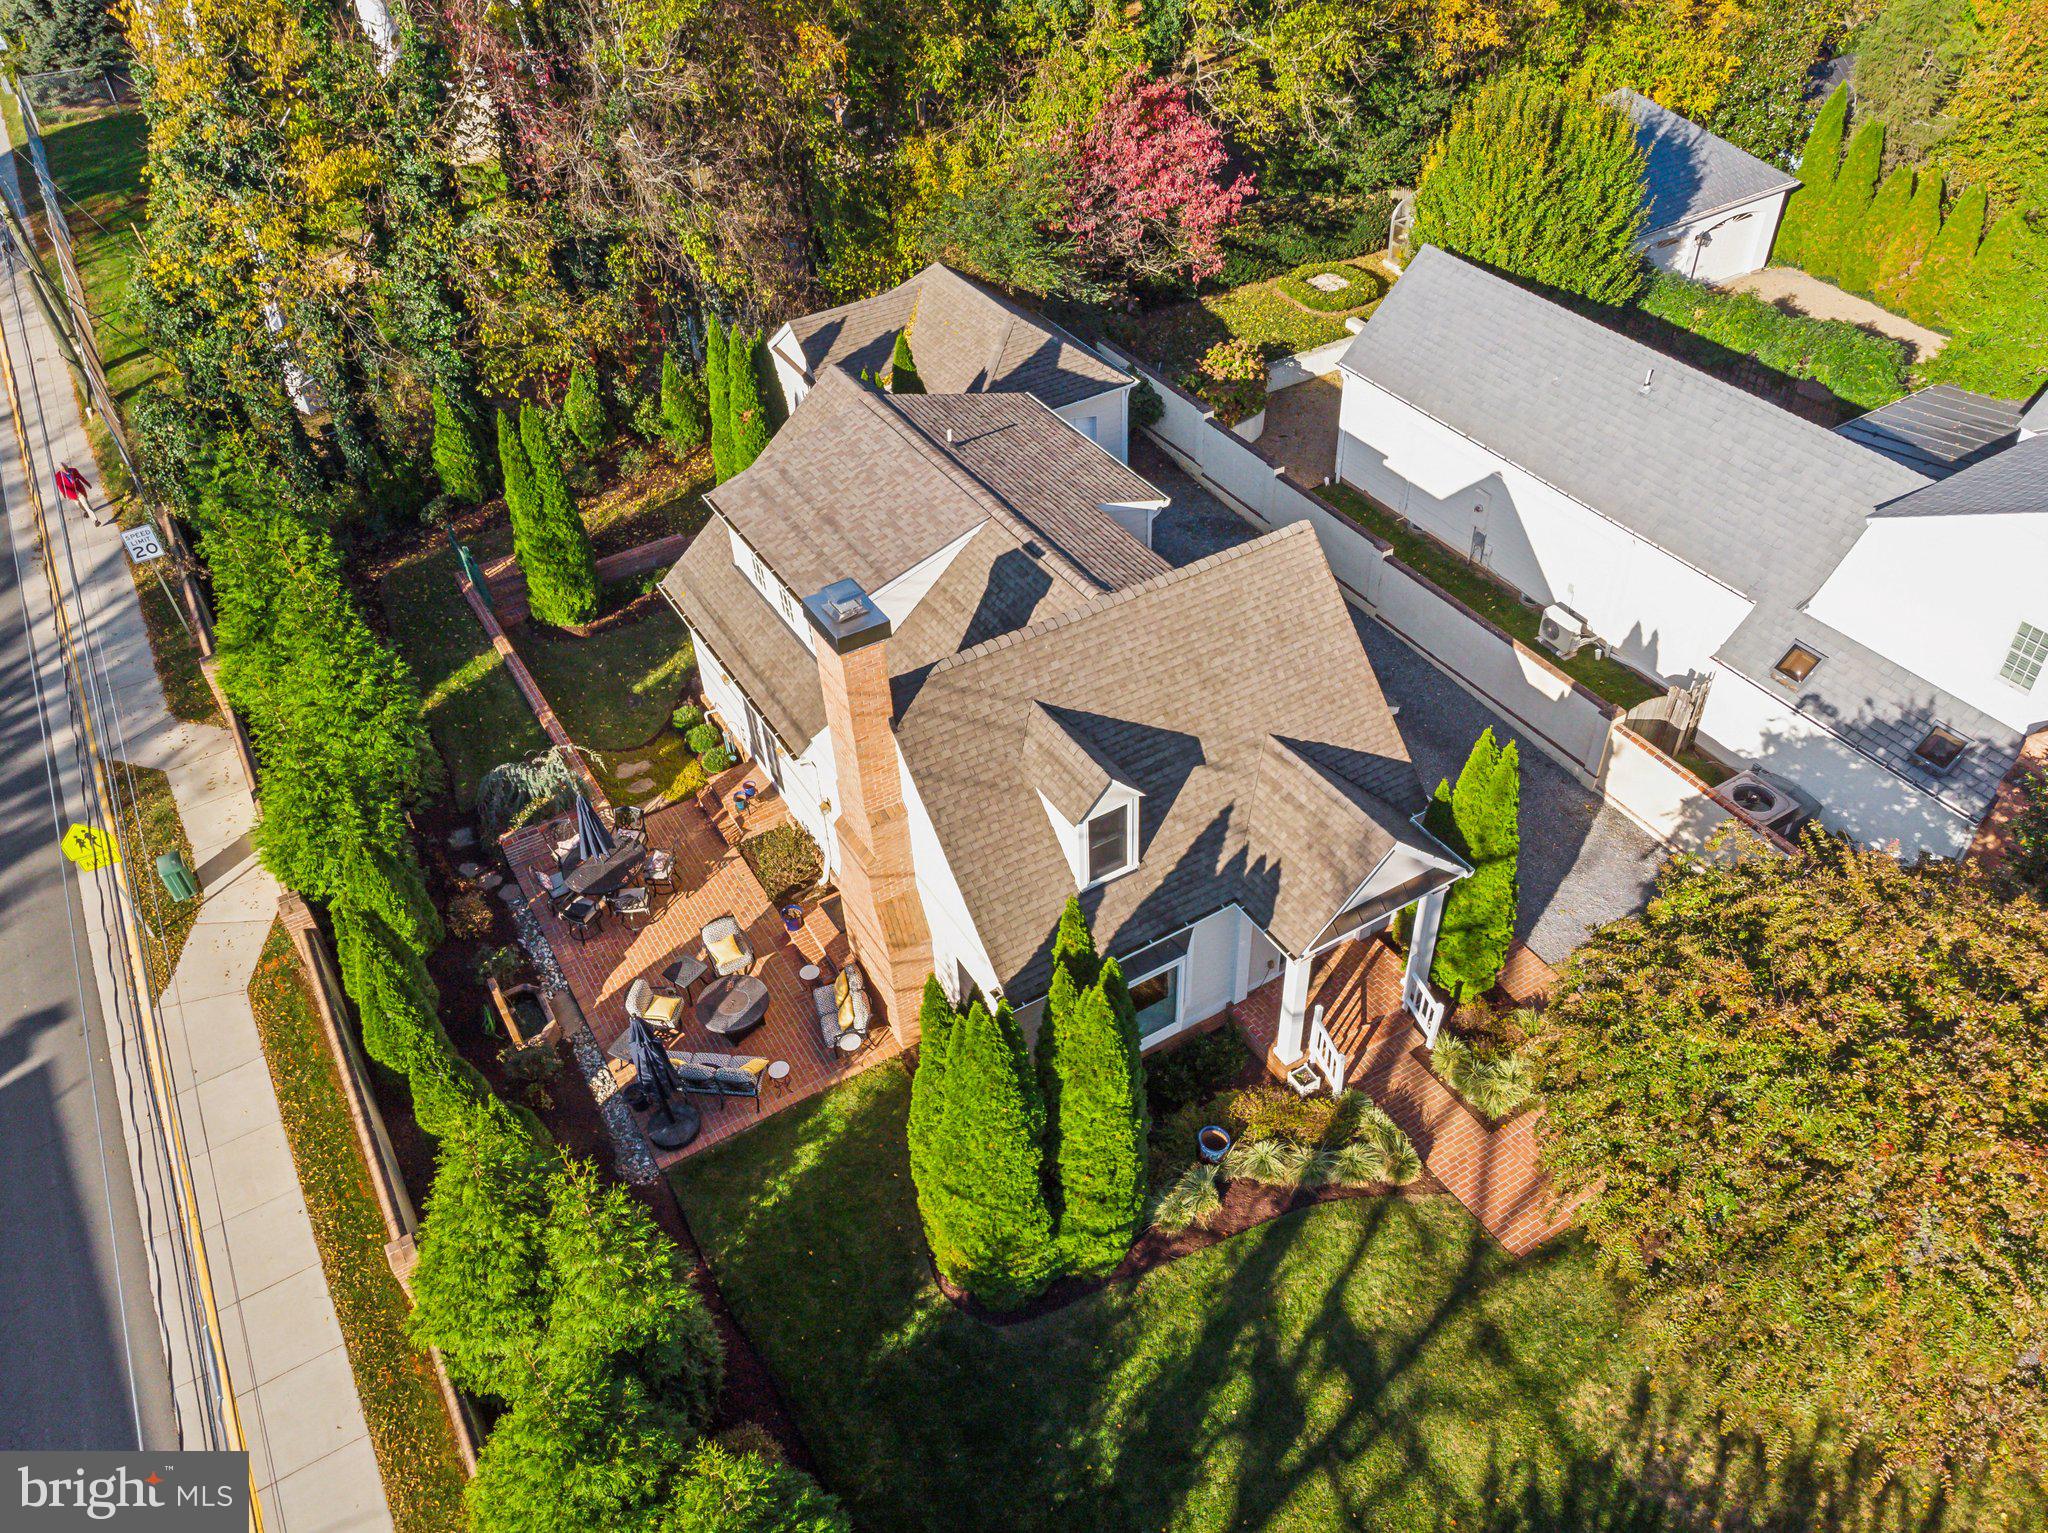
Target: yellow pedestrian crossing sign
column 89, row 847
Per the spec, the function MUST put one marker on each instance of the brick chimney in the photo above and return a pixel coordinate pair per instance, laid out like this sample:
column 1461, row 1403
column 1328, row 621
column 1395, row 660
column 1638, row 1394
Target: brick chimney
column 877, row 880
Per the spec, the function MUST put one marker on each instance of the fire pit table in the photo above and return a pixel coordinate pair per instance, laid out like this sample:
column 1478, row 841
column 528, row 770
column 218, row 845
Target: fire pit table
column 732, row 1007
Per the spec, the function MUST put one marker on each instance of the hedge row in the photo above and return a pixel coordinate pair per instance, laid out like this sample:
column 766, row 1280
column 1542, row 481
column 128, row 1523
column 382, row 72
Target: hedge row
column 1853, row 364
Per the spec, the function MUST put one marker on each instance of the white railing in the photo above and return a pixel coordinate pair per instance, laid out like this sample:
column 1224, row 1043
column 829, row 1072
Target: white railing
column 1324, row 1054
column 1423, row 1006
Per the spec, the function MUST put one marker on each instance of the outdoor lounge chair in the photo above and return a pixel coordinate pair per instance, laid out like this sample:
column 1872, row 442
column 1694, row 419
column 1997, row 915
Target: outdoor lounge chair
column 661, row 1011
column 843, row 1011
column 727, row 946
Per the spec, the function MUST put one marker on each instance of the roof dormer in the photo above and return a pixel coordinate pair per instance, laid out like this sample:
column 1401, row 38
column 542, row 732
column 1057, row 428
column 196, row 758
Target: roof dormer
column 1091, row 801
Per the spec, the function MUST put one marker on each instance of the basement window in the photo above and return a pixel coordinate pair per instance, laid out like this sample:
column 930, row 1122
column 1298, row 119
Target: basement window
column 1941, row 749
column 2024, row 660
column 1109, row 843
column 1797, row 665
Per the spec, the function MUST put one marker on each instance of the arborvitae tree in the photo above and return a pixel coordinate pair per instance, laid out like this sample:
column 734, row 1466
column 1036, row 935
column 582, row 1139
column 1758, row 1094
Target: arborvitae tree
column 394, row 995
column 717, row 385
column 682, row 408
column 744, row 401
column 455, row 457
column 478, row 1285
column 1998, row 343
column 581, row 1451
column 1912, row 236
column 1099, row 1166
column 1074, row 969
column 1542, row 181
column 583, row 410
column 619, row 1291
column 1805, row 209
column 1848, row 200
column 521, row 504
column 553, row 549
column 925, row 1131
column 1478, row 924
column 993, row 1232
column 903, row 378
column 1883, row 223
column 720, row 1491
column 1947, row 263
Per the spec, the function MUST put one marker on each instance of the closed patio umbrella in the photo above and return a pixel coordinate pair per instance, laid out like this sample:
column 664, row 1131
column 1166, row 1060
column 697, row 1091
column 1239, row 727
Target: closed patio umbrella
column 670, row 1129
column 592, row 839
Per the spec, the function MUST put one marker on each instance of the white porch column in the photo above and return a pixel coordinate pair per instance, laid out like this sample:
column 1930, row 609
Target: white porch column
column 1291, row 1043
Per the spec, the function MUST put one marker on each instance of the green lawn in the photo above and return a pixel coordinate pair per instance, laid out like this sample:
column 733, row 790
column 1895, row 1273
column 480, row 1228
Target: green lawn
column 1490, row 598
column 614, row 692
column 1175, row 337
column 409, row 1427
column 150, row 827
column 1372, row 1364
column 477, row 716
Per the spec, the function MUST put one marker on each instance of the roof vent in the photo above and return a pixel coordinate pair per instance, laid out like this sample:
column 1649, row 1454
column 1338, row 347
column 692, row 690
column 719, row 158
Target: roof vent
column 949, row 436
column 1649, row 374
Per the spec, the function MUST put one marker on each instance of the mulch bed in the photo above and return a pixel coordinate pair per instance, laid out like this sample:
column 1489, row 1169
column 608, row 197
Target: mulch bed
column 1246, row 1204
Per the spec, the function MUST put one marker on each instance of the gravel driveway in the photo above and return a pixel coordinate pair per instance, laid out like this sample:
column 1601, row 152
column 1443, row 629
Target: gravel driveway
column 1583, row 862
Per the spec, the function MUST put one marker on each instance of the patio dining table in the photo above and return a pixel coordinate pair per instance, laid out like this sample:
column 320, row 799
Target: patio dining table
column 603, row 875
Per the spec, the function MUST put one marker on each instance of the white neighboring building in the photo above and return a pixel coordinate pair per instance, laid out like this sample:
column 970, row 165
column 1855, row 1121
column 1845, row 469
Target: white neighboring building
column 984, row 694
column 1865, row 605
column 1714, row 208
column 964, row 340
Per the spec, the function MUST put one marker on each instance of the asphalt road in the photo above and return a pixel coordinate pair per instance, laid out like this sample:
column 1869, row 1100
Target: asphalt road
column 81, row 1356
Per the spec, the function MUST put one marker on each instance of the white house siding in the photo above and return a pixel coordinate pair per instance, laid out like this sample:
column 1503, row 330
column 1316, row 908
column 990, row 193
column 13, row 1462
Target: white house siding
column 1104, row 419
column 1653, row 611
column 721, row 692
column 807, row 782
column 899, row 598
column 1942, row 597
column 1723, row 245
column 783, row 355
column 1857, row 796
column 957, row 951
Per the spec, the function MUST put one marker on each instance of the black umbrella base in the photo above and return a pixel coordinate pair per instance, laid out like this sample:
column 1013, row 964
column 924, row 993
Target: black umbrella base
column 677, row 1130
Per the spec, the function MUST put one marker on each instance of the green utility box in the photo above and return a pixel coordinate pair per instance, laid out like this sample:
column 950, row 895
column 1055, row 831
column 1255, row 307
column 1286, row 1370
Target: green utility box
column 177, row 878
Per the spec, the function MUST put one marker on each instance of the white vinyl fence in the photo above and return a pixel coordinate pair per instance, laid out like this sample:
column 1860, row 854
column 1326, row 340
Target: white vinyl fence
column 1581, row 732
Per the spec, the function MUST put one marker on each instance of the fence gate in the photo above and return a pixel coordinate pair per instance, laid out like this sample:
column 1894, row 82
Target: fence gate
column 1424, row 1007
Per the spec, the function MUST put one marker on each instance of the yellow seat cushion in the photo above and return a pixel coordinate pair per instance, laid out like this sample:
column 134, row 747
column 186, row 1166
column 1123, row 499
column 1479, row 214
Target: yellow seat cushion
column 725, row 950
column 664, row 1009
column 839, row 988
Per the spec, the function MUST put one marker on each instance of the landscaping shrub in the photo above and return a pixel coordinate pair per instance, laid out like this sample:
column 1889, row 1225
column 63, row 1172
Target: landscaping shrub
column 682, row 407
column 786, row 860
column 516, row 793
column 924, row 1132
column 583, row 410
column 1399, row 1163
column 722, row 1491
column 1100, row 1127
column 1270, row 1111
column 703, row 737
column 1147, row 408
column 1999, row 324
column 1191, row 1202
column 1937, row 284
column 468, row 915
column 1231, row 380
column 1494, row 1085
column 744, row 401
column 1192, row 1072
column 1365, row 286
column 549, row 540
column 456, row 463
column 1278, row 1161
column 514, row 472
column 903, row 378
column 1542, row 181
column 686, row 718
column 1799, row 229
column 718, row 759
column 1853, row 364
column 1480, row 820
column 718, row 389
column 1275, row 235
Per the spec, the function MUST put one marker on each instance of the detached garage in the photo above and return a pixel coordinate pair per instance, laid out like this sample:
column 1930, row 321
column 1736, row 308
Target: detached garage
column 1714, row 208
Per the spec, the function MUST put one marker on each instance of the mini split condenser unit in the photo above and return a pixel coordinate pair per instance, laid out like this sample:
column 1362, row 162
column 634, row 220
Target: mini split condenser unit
column 1562, row 631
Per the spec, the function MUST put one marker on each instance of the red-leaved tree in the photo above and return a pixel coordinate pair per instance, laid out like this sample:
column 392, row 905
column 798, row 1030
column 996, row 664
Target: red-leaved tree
column 1145, row 189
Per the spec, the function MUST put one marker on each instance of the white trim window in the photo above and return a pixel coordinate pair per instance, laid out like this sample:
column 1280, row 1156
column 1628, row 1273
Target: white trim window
column 773, row 591
column 1154, row 976
column 1110, row 844
column 2025, row 658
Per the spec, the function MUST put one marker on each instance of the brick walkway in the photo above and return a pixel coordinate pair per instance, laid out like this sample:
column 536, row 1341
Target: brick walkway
column 1493, row 1171
column 712, row 880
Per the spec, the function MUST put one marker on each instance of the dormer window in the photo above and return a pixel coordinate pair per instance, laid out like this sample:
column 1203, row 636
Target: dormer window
column 1110, row 848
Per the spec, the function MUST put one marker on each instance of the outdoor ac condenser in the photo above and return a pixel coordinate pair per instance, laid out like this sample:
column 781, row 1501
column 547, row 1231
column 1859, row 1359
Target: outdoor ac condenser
column 1563, row 632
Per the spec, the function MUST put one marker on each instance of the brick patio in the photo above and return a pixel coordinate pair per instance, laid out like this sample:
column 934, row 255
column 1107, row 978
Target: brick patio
column 712, row 880
column 1491, row 1170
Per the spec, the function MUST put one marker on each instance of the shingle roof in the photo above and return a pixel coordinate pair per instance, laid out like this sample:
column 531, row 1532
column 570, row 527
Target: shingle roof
column 2035, row 416
column 1936, row 431
column 1194, row 684
column 1690, row 173
column 1063, row 761
column 1750, row 494
column 965, row 339
column 2011, row 481
column 863, row 485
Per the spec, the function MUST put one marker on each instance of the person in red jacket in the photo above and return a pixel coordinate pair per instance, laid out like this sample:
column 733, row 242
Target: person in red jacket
column 75, row 488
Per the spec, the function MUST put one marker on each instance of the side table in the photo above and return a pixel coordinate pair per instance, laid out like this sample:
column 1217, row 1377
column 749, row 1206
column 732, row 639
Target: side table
column 778, row 1073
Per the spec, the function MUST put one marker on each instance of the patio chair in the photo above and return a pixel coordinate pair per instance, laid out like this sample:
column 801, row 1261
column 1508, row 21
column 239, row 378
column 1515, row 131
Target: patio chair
column 660, row 871
column 567, row 853
column 632, row 904
column 582, row 916
column 655, row 1010
column 727, row 946
column 558, row 893
column 739, row 1083
column 844, row 1011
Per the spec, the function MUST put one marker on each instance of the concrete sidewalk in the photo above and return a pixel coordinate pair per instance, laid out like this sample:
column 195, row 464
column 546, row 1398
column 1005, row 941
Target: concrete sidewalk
column 310, row 1448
